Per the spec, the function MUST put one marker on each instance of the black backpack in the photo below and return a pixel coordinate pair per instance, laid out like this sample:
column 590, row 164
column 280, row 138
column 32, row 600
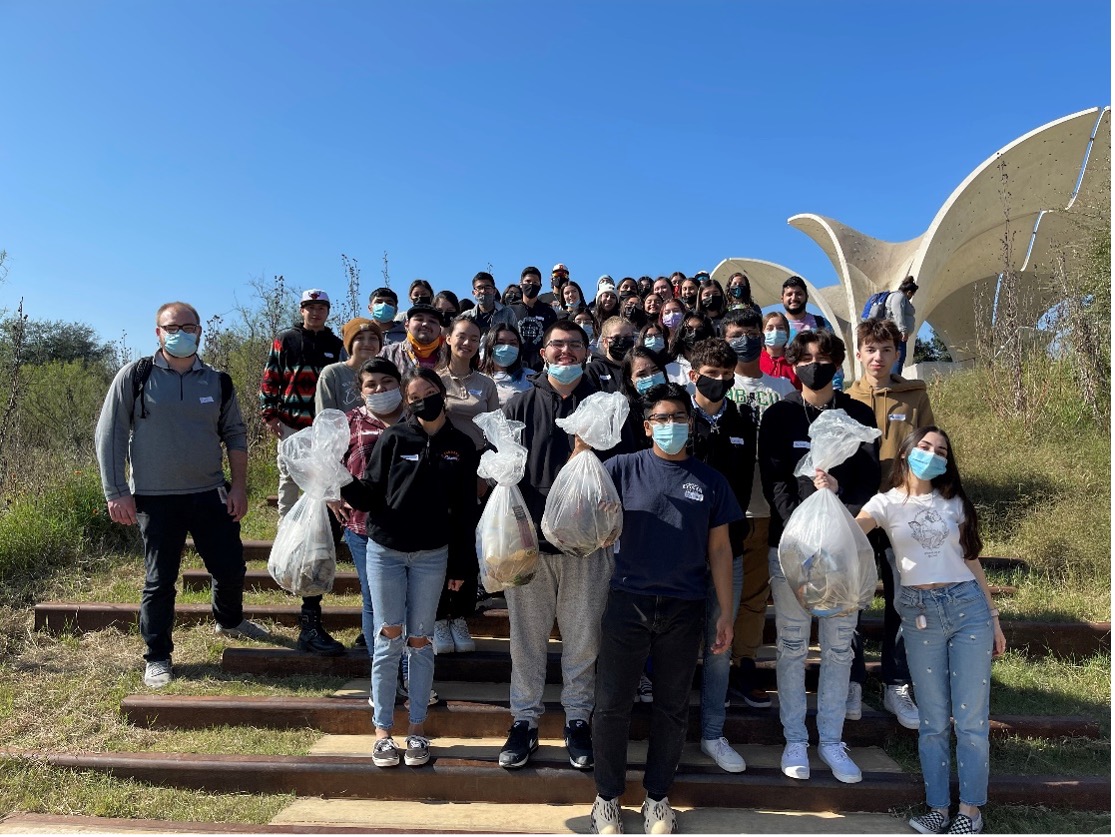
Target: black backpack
column 142, row 371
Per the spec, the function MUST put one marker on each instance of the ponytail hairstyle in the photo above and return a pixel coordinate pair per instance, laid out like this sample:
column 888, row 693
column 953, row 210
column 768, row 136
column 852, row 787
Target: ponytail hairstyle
column 948, row 485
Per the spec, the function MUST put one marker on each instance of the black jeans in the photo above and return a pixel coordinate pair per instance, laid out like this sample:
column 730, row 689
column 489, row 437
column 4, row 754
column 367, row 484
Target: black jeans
column 895, row 669
column 164, row 522
column 670, row 631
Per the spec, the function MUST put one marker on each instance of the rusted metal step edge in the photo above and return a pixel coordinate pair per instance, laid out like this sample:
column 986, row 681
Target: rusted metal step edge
column 350, row 715
column 76, row 823
column 348, row 582
column 453, row 780
column 260, row 550
column 1036, row 638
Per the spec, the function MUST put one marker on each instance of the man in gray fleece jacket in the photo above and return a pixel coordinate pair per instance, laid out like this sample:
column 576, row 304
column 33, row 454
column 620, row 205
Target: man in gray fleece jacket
column 170, row 428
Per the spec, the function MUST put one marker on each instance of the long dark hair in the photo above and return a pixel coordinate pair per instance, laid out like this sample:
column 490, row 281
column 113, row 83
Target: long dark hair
column 625, row 385
column 488, row 365
column 948, row 485
column 445, row 353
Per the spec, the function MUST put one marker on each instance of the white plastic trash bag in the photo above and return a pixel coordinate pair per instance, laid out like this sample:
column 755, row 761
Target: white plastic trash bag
column 303, row 560
column 825, row 556
column 583, row 512
column 505, row 538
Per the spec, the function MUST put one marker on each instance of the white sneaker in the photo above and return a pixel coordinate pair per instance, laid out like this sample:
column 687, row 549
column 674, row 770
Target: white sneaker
column 462, row 639
column 843, row 768
column 157, row 674
column 245, row 630
column 795, row 761
column 721, row 752
column 605, row 817
column 853, row 711
column 897, row 699
column 443, row 637
column 659, row 817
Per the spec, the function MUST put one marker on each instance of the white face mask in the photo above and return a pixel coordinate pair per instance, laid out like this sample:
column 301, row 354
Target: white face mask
column 384, row 403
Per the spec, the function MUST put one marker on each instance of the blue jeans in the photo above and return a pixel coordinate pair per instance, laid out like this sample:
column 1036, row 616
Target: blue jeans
column 835, row 633
column 950, row 660
column 358, row 546
column 633, row 626
column 405, row 588
column 715, row 668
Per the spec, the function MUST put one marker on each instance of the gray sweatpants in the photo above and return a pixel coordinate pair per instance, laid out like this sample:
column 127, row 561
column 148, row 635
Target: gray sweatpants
column 574, row 591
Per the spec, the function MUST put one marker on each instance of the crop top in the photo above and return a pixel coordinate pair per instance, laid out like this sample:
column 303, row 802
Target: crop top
column 924, row 531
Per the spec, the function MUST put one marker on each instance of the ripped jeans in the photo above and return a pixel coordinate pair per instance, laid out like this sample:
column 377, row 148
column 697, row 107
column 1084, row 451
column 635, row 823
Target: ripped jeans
column 405, row 588
column 835, row 633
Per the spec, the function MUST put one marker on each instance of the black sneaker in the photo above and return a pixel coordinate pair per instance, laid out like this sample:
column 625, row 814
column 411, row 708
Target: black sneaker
column 360, row 642
column 578, row 741
column 418, row 751
column 521, row 742
column 315, row 639
column 385, row 753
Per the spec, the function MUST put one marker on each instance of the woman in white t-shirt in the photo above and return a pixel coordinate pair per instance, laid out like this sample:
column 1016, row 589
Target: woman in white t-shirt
column 950, row 623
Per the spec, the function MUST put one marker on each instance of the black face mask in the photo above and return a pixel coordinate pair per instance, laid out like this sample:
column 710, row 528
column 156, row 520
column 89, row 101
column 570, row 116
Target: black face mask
column 620, row 346
column 530, row 291
column 691, row 337
column 715, row 303
column 690, row 300
column 816, row 376
column 736, row 291
column 713, row 389
column 422, row 300
column 428, row 408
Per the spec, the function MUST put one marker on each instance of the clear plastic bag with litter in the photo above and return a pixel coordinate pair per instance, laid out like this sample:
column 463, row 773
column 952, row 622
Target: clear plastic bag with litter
column 583, row 511
column 825, row 556
column 303, row 560
column 506, row 542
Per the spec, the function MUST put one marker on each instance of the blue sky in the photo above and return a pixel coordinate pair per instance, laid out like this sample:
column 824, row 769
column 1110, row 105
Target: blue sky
column 154, row 151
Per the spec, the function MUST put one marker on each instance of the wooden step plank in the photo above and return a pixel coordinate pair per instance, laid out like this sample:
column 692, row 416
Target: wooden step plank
column 260, row 550
column 475, row 718
column 450, row 780
column 1034, row 637
column 348, row 582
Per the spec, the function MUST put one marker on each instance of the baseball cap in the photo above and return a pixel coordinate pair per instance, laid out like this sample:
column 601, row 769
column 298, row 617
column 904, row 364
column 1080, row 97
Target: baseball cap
column 559, row 266
column 314, row 295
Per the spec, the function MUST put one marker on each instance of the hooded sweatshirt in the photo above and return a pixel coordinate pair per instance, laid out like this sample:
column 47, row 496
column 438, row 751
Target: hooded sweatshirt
column 900, row 407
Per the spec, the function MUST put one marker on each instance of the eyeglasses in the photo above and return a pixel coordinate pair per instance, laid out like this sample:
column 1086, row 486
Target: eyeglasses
column 572, row 345
column 174, row 328
column 668, row 418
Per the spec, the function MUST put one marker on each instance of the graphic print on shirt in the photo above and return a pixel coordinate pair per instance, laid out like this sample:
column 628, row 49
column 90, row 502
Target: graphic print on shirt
column 693, row 492
column 929, row 529
column 530, row 330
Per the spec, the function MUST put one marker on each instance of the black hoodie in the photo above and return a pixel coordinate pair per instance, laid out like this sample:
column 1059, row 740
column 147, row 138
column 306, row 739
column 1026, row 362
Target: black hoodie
column 420, row 493
column 548, row 446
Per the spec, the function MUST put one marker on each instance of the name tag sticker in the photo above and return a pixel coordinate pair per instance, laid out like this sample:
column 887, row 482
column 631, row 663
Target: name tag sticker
column 475, row 393
column 897, row 416
column 736, row 440
column 206, row 399
column 328, row 354
column 605, row 377
column 802, row 445
column 410, row 457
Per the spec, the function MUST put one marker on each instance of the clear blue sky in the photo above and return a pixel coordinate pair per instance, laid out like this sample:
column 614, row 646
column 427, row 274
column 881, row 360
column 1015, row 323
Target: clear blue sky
column 161, row 150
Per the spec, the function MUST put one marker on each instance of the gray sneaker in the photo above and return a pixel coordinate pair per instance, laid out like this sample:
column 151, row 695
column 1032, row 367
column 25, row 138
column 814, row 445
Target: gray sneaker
column 157, row 674
column 245, row 630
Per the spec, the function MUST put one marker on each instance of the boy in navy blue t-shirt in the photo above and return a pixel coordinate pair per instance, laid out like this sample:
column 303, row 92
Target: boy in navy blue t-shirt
column 676, row 512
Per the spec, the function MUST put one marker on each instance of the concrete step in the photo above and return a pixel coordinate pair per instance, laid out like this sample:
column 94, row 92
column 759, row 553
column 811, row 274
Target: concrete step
column 469, row 780
column 20, row 823
column 481, row 709
column 1036, row 638
column 348, row 582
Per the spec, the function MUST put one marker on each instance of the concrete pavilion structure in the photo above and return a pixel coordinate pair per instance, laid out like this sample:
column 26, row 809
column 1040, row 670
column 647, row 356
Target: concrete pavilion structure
column 1058, row 178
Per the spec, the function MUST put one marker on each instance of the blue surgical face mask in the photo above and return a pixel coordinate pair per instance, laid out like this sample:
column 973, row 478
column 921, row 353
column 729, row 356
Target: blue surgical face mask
column 925, row 464
column 565, row 375
column 671, row 438
column 588, row 329
column 645, row 385
column 180, row 345
column 747, row 348
column 505, row 354
column 775, row 338
column 383, row 311
column 655, row 343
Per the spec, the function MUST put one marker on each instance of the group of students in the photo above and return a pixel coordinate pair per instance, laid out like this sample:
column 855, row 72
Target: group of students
column 722, row 398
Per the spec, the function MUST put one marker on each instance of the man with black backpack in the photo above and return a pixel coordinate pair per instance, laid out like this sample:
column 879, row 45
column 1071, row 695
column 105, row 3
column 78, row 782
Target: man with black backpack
column 167, row 416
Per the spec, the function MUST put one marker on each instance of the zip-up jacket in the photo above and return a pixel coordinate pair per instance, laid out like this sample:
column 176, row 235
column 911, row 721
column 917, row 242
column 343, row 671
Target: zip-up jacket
column 176, row 448
column 729, row 447
column 784, row 440
column 290, row 377
column 420, row 493
column 900, row 407
column 548, row 446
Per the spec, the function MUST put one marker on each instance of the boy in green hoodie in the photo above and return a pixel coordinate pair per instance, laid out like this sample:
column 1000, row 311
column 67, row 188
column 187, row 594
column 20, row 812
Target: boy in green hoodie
column 900, row 408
